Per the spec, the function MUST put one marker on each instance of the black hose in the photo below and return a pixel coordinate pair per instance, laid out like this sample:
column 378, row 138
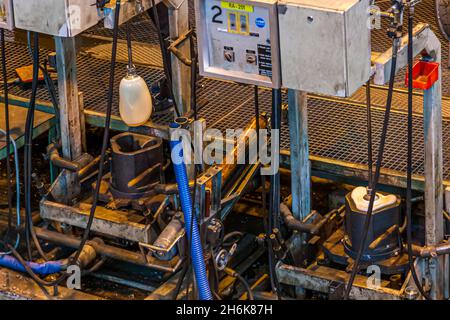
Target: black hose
column 28, row 145
column 235, row 274
column 105, row 134
column 129, row 46
column 368, row 218
column 8, row 136
column 369, row 136
column 30, row 114
column 53, row 97
column 176, row 292
column 263, row 187
column 164, row 57
column 275, row 198
column 28, row 166
column 409, row 161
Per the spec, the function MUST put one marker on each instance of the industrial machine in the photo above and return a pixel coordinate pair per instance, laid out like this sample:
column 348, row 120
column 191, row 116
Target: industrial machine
column 211, row 150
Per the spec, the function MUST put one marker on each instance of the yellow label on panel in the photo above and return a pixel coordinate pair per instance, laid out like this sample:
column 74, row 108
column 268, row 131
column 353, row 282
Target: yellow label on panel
column 237, row 6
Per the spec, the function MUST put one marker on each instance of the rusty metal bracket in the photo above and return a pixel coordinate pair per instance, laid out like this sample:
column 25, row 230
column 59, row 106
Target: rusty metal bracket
column 173, row 48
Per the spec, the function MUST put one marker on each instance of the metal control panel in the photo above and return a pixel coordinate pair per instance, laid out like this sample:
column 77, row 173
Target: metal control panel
column 63, row 18
column 325, row 45
column 6, row 14
column 238, row 41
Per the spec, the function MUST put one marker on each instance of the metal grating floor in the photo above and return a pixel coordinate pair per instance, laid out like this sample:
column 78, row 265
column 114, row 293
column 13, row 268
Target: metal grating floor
column 337, row 128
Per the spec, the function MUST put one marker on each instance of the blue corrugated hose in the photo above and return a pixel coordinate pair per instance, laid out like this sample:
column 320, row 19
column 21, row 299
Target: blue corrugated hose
column 42, row 269
column 198, row 261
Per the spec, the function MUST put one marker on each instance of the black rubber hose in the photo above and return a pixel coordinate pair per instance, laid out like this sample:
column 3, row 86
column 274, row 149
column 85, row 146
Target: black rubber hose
column 105, row 134
column 129, row 45
column 164, row 57
column 275, row 199
column 8, row 136
column 28, row 164
column 53, row 97
column 235, row 274
column 377, row 169
column 176, row 292
column 102, row 157
column 410, row 156
column 369, row 135
column 29, row 144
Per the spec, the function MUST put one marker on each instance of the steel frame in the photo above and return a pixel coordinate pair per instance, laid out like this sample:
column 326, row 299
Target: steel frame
column 425, row 39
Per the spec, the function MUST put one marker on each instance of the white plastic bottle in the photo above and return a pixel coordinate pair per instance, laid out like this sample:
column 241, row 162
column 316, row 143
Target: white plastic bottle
column 135, row 103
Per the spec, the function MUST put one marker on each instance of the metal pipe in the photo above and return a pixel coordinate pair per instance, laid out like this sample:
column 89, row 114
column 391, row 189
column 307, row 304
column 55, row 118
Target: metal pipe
column 105, row 250
column 311, row 228
column 60, row 162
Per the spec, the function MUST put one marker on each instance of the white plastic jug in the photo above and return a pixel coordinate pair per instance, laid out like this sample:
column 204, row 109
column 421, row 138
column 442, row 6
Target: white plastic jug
column 135, row 103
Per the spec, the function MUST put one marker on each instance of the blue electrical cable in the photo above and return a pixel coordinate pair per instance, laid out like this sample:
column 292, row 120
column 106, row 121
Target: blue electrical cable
column 190, row 220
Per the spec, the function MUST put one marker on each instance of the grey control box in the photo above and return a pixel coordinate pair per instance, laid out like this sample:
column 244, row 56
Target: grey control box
column 325, row 45
column 6, row 14
column 63, row 18
column 238, row 41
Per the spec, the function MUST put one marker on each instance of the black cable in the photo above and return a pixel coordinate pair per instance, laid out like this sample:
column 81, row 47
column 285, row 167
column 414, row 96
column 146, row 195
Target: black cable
column 275, row 198
column 368, row 218
column 105, row 134
column 238, row 276
column 129, row 45
column 410, row 156
column 176, row 292
column 246, row 285
column 53, row 97
column 258, row 141
column 268, row 224
column 164, row 57
column 28, row 165
column 101, row 165
column 28, row 145
column 369, row 136
column 8, row 136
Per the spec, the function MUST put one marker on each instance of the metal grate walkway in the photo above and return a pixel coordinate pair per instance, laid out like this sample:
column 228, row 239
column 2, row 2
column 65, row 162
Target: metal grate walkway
column 337, row 128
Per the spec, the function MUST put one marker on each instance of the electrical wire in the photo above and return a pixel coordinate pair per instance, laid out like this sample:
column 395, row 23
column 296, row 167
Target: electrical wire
column 129, row 46
column 16, row 162
column 369, row 136
column 368, row 218
column 28, row 146
column 49, row 85
column 164, row 57
column 239, row 277
column 30, row 115
column 410, row 156
column 7, row 133
column 28, row 166
column 105, row 134
column 274, row 203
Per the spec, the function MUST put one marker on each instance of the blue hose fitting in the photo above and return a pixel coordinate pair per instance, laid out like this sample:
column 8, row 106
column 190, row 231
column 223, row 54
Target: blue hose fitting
column 190, row 219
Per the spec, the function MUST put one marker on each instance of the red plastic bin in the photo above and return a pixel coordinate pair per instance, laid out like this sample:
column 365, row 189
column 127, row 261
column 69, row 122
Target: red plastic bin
column 425, row 74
